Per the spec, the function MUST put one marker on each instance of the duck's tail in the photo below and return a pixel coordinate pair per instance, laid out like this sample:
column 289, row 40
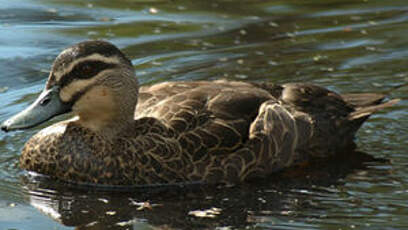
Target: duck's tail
column 365, row 104
column 337, row 135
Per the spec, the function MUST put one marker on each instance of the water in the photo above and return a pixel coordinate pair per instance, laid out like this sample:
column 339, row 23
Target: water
column 348, row 46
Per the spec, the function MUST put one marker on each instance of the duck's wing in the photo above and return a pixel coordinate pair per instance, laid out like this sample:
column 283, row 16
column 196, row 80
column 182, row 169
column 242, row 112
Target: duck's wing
column 221, row 99
column 219, row 108
column 209, row 120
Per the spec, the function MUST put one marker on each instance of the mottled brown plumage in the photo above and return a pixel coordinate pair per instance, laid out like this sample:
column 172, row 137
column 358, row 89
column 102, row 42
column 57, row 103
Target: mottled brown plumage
column 199, row 131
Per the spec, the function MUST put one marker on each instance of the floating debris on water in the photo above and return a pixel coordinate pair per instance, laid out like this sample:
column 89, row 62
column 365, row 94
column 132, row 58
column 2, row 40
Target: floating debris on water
column 273, row 24
column 103, row 200
column 111, row 213
column 92, row 224
column 272, row 63
column 3, row 89
column 373, row 23
column 106, row 19
column 52, row 10
column 208, row 213
column 144, row 205
column 126, row 223
column 153, row 10
column 241, row 76
column 347, row 29
column 317, row 57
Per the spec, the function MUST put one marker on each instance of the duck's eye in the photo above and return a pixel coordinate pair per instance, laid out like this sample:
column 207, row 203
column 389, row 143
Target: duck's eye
column 84, row 70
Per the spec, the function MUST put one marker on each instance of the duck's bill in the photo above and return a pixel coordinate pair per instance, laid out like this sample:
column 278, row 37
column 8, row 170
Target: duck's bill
column 47, row 106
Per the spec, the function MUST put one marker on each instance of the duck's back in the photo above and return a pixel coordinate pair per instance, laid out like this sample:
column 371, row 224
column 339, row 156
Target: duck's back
column 223, row 98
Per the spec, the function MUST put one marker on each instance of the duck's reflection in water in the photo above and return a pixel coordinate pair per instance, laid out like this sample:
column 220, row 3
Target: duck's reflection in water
column 193, row 206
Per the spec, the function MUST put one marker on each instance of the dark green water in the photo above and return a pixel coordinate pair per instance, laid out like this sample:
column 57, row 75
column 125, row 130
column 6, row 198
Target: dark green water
column 346, row 45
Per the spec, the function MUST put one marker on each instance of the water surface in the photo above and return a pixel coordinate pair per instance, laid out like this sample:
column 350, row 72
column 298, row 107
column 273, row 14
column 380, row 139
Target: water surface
column 348, row 46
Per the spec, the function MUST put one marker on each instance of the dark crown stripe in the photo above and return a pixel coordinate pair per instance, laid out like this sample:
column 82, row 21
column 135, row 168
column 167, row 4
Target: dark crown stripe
column 102, row 48
column 84, row 70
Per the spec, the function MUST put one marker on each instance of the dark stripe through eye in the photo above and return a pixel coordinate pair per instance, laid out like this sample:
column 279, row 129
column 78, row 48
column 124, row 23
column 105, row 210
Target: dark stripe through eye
column 84, row 70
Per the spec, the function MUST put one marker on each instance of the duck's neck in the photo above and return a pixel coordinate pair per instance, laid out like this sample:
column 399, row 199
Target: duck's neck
column 108, row 128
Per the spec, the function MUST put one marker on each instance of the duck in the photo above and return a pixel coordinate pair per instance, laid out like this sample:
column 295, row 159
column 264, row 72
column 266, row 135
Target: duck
column 213, row 132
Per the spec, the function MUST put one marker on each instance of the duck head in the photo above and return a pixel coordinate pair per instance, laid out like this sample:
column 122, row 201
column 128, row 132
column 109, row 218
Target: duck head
column 94, row 80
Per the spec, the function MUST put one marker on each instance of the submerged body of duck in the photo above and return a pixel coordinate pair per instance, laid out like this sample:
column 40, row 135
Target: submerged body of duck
column 198, row 131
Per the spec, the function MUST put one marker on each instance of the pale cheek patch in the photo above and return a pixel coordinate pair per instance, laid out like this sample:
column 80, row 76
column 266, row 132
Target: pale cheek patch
column 95, row 108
